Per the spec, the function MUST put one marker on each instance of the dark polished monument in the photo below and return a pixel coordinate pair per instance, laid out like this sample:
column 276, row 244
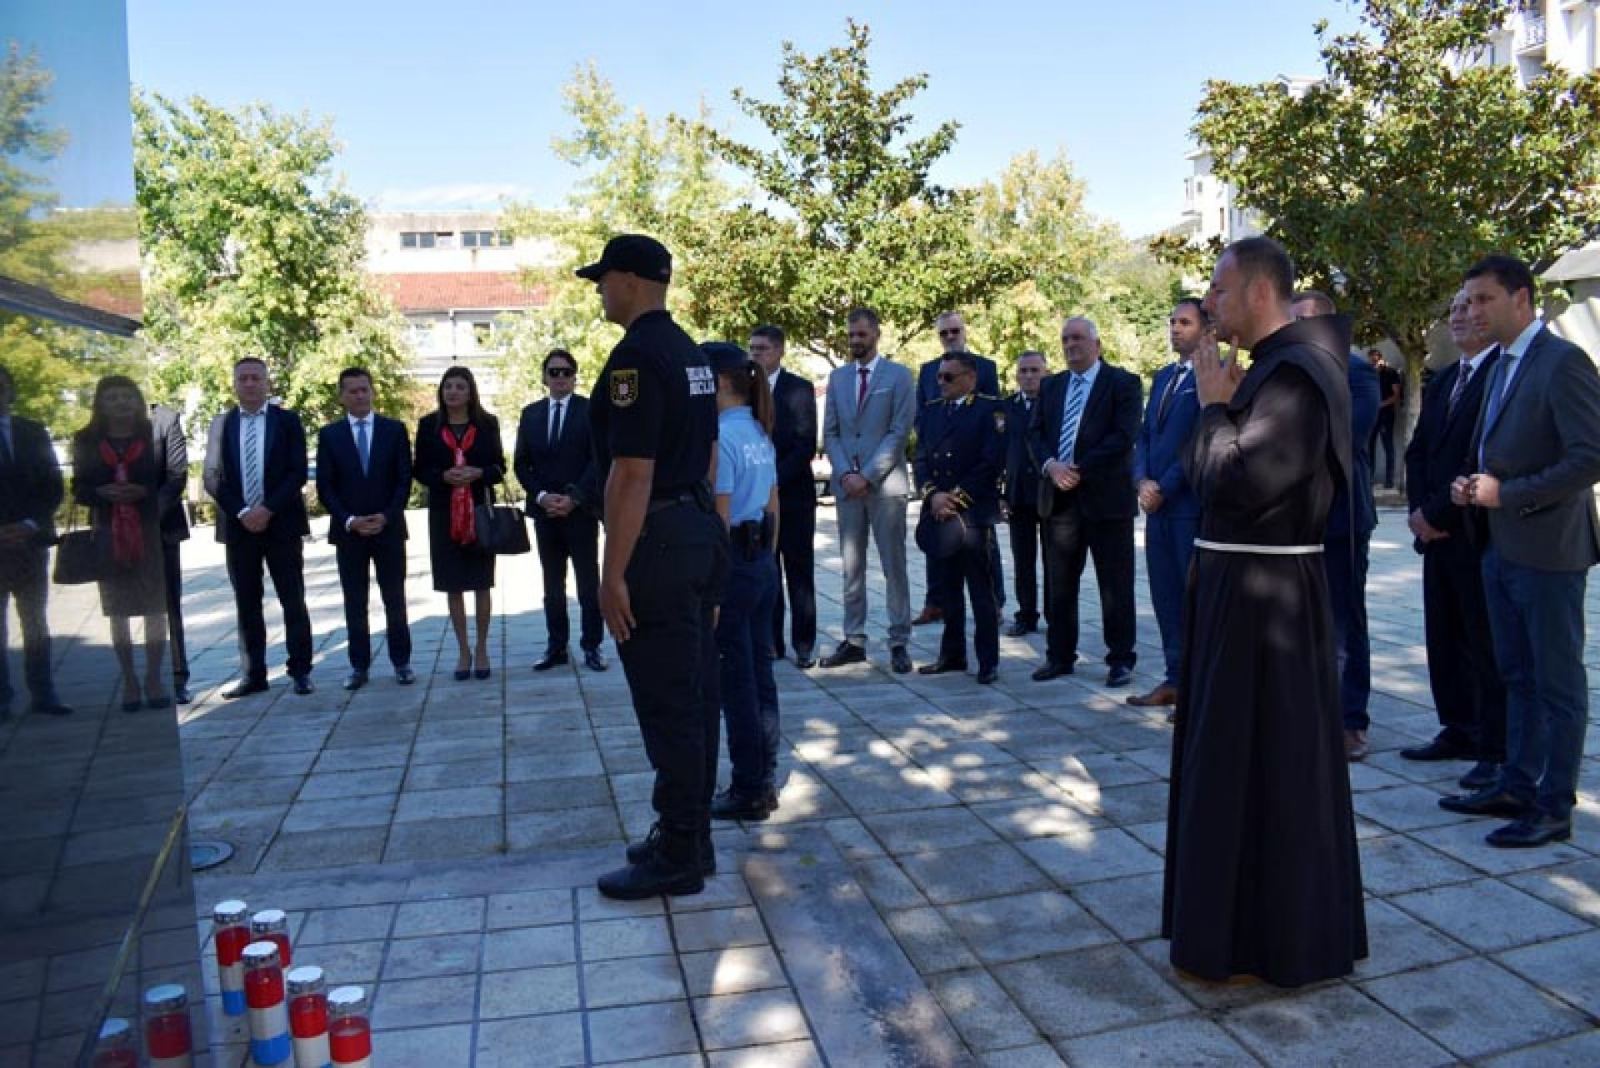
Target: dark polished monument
column 96, row 901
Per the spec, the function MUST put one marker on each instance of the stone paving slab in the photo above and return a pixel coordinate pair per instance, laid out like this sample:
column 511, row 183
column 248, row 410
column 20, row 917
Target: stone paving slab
column 958, row 874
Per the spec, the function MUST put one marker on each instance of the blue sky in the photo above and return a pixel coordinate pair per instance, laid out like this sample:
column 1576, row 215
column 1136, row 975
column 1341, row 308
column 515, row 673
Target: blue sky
column 455, row 104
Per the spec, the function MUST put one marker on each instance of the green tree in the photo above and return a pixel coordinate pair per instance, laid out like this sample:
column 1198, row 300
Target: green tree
column 842, row 212
column 1402, row 166
column 253, row 247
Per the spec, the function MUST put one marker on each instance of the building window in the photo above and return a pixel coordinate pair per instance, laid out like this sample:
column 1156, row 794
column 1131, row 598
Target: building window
column 417, row 239
column 483, row 335
column 485, row 239
column 422, row 336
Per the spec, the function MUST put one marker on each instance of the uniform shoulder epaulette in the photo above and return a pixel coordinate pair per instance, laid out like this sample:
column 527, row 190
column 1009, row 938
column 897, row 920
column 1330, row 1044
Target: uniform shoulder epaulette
column 930, row 404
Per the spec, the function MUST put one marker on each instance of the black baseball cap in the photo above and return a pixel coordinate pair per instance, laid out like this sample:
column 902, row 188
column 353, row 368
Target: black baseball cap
column 635, row 254
column 724, row 356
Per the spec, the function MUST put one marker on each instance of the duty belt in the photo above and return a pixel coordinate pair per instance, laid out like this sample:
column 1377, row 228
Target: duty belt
column 658, row 504
column 1256, row 550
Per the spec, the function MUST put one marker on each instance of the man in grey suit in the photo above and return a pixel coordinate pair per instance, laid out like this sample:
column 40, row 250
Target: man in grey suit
column 869, row 413
column 1533, row 463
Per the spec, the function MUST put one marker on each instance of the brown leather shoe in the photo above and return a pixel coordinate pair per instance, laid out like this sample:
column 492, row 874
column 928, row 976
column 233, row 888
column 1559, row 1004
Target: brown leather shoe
column 929, row 614
column 1159, row 697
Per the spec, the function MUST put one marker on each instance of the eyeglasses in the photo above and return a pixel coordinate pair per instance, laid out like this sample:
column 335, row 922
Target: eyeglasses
column 559, row 372
column 946, row 376
column 951, row 331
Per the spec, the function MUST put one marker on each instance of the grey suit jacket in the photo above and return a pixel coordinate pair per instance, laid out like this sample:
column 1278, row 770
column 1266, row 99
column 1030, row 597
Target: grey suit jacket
column 1544, row 446
column 871, row 440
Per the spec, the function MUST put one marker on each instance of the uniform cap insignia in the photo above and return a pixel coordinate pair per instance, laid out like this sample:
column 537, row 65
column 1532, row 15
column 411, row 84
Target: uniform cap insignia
column 624, row 387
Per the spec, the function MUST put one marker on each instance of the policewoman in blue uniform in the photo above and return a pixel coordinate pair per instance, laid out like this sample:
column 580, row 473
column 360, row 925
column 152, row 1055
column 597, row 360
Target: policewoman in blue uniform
column 961, row 450
column 653, row 416
column 747, row 500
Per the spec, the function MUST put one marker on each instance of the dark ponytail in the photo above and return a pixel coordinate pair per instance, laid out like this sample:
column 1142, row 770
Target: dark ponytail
column 749, row 384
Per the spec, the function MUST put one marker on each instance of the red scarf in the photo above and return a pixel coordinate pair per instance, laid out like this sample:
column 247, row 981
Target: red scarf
column 462, row 529
column 127, row 536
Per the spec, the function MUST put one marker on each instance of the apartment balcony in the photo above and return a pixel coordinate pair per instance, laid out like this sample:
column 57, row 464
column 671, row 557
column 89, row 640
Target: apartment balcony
column 1532, row 32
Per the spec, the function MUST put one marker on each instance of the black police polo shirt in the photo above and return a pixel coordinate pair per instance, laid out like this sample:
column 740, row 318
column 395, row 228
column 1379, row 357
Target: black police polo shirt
column 656, row 399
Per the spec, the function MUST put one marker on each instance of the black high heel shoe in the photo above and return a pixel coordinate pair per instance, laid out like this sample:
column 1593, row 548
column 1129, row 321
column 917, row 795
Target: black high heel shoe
column 481, row 673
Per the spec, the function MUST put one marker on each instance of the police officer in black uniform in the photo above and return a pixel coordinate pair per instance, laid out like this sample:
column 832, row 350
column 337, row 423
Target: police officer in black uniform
column 961, row 450
column 654, row 420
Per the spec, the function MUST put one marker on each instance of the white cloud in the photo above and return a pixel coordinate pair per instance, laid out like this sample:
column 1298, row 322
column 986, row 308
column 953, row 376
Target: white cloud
column 450, row 195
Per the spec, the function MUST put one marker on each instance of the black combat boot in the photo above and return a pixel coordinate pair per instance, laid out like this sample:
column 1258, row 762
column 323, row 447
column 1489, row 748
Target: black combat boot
column 638, row 852
column 673, row 867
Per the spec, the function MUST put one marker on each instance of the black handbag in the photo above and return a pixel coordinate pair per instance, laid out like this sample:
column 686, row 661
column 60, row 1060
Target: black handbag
column 79, row 557
column 500, row 528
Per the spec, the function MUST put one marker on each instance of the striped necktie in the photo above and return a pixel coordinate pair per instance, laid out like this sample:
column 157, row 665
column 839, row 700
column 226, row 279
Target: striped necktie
column 252, row 459
column 1069, row 419
column 1463, row 376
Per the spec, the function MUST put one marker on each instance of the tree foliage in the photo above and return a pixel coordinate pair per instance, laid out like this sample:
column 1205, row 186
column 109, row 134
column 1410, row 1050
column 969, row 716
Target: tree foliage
column 1402, row 166
column 253, row 247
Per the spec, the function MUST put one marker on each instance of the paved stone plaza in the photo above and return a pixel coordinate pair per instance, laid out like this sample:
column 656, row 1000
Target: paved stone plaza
column 957, row 875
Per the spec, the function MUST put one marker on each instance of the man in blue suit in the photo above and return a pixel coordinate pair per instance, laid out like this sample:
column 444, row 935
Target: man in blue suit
column 1172, row 513
column 1351, row 521
column 364, row 480
column 952, row 330
column 262, row 520
column 1534, row 461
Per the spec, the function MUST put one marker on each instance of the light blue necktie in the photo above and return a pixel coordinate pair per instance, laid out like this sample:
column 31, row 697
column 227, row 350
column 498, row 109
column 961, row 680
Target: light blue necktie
column 362, row 446
column 252, row 459
column 1069, row 420
column 1498, row 388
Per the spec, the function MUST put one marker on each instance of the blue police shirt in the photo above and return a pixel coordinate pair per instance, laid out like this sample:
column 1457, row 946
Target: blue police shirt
column 747, row 465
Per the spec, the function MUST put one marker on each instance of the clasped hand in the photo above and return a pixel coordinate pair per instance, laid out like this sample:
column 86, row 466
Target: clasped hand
column 463, row 475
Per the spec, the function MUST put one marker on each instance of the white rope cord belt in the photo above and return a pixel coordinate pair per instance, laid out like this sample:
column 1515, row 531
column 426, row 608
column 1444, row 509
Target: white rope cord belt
column 1257, row 550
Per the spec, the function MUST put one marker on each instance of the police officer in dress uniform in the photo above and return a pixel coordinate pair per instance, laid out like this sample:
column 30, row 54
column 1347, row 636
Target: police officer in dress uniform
column 654, row 420
column 961, row 450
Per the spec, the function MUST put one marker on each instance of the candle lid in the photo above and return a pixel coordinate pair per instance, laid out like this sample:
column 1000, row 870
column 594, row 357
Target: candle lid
column 229, row 913
column 347, row 998
column 267, row 919
column 261, row 954
column 305, row 979
column 115, row 1028
column 168, row 997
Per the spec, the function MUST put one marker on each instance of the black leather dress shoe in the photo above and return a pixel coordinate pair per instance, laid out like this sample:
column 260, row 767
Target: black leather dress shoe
column 1484, row 774
column 847, row 653
column 899, row 660
column 181, row 694
column 1437, row 749
column 594, row 660
column 244, row 688
column 804, row 660
column 1119, row 676
column 552, row 658
column 1491, row 802
column 941, row 665
column 51, row 708
column 1050, row 669
column 303, row 685
column 988, row 676
column 1017, row 630
column 355, row 680
column 729, row 805
column 404, row 676
column 1530, row 833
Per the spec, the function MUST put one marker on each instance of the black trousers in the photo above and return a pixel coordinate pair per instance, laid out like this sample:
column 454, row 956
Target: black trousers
column 1070, row 540
column 171, row 557
column 1027, row 531
column 797, row 532
column 358, row 558
column 675, row 582
column 574, row 539
column 284, row 559
column 933, row 571
column 1467, row 691
column 1383, row 434
column 970, row 573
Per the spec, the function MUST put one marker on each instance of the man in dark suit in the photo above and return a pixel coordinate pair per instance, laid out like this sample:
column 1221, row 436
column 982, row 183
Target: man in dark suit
column 1534, row 461
column 262, row 520
column 364, row 481
column 32, row 479
column 961, row 442
column 1172, row 512
column 952, row 330
column 1085, row 424
column 1022, row 494
column 172, row 455
column 1468, row 695
column 794, row 438
column 555, row 464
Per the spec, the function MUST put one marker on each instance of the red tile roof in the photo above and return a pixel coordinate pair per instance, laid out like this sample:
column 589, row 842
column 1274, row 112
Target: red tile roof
column 443, row 290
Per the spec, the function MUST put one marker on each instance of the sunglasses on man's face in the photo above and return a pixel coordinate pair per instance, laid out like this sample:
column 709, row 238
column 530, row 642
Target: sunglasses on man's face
column 559, row 372
column 950, row 331
column 946, row 376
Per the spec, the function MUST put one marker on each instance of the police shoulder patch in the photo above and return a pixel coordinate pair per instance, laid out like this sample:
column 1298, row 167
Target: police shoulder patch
column 624, row 387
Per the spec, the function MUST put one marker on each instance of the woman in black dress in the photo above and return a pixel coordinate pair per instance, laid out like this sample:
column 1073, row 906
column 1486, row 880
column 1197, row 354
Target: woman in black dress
column 115, row 475
column 459, row 456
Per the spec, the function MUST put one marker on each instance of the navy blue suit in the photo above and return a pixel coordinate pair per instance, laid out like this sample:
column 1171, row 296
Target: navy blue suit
column 1022, row 504
column 33, row 490
column 1170, row 530
column 794, row 438
column 564, row 466
column 280, row 547
column 1351, row 519
column 961, row 448
column 928, row 392
column 383, row 488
